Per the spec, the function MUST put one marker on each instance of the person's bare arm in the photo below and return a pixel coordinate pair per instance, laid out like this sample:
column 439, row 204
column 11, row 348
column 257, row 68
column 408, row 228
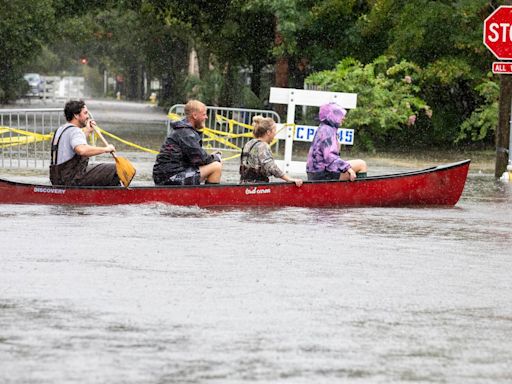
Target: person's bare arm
column 88, row 150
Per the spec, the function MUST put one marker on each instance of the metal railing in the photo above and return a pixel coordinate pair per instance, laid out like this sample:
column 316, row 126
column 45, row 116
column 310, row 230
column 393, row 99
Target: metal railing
column 35, row 153
column 31, row 154
column 240, row 115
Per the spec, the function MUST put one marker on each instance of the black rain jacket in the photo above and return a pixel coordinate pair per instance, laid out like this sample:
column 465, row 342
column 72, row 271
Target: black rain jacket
column 182, row 149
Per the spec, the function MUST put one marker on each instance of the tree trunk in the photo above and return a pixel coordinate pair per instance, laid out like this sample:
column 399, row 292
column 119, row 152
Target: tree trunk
column 132, row 82
column 230, row 87
column 281, row 81
column 142, row 91
column 281, row 68
column 282, row 72
column 256, row 79
column 173, row 81
column 166, row 87
column 203, row 59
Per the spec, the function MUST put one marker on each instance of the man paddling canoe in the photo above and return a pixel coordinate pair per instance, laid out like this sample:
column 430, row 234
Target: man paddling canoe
column 70, row 152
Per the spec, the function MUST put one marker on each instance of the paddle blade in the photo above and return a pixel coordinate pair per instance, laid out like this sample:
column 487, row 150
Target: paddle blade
column 125, row 170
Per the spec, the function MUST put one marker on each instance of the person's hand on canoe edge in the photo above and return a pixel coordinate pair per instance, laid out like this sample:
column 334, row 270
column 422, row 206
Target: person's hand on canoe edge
column 352, row 174
column 298, row 182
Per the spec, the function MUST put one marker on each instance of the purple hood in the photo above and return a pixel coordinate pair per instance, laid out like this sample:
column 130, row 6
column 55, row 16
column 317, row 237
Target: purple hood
column 331, row 114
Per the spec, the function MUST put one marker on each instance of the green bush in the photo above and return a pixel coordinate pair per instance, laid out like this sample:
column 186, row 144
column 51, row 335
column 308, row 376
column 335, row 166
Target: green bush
column 482, row 123
column 388, row 96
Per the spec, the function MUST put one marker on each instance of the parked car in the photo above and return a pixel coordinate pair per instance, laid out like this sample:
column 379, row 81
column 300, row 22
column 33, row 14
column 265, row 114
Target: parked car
column 35, row 83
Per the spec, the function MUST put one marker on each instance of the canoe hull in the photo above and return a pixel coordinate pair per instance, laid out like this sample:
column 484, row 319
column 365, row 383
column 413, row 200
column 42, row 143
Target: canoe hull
column 436, row 186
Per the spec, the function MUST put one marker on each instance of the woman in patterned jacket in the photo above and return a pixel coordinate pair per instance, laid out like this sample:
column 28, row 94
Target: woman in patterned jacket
column 324, row 162
column 256, row 161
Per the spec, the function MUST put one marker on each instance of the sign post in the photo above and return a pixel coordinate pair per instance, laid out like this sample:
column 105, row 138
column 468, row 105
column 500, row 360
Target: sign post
column 498, row 39
column 293, row 97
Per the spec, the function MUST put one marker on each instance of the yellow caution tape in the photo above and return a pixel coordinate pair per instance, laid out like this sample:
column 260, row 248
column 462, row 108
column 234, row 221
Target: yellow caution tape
column 231, row 157
column 174, row 117
column 25, row 137
column 212, row 135
column 232, row 123
column 127, row 142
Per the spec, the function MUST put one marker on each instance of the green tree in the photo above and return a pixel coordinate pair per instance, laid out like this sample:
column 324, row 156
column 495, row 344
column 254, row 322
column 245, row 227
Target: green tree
column 227, row 37
column 481, row 125
column 443, row 37
column 116, row 43
column 289, row 16
column 330, row 33
column 387, row 89
column 24, row 28
column 166, row 49
column 197, row 24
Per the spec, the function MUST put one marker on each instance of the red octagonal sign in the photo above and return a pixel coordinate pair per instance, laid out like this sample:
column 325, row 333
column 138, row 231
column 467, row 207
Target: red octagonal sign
column 498, row 33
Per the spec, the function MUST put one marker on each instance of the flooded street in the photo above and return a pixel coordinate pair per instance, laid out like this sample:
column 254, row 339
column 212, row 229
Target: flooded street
column 163, row 294
column 166, row 294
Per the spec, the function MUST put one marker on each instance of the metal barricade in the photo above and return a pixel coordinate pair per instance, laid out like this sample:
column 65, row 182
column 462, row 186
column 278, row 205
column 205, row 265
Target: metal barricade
column 34, row 153
column 239, row 115
column 31, row 153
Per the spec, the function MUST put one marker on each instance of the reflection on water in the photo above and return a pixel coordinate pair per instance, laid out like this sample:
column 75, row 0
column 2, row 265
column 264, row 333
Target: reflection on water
column 163, row 294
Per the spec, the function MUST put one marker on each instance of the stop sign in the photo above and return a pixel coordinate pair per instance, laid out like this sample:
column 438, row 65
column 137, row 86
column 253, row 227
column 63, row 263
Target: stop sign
column 498, row 32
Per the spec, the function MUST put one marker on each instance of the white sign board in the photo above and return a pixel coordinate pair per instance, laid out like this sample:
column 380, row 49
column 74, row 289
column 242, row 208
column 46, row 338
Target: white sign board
column 307, row 132
column 312, row 98
column 502, row 67
column 292, row 97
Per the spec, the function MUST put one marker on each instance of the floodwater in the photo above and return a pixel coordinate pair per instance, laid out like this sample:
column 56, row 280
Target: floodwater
column 165, row 294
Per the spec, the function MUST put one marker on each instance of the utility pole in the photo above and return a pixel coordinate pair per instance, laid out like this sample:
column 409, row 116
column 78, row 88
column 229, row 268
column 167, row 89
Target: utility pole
column 504, row 121
column 503, row 142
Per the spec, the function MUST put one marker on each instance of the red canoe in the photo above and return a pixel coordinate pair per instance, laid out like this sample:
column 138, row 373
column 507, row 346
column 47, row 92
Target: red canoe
column 441, row 185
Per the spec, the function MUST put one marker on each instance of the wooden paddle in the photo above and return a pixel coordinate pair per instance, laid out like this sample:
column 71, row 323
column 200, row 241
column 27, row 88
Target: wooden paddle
column 125, row 169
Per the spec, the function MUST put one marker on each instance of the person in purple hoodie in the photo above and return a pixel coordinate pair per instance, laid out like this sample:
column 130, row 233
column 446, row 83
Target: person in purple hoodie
column 324, row 162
